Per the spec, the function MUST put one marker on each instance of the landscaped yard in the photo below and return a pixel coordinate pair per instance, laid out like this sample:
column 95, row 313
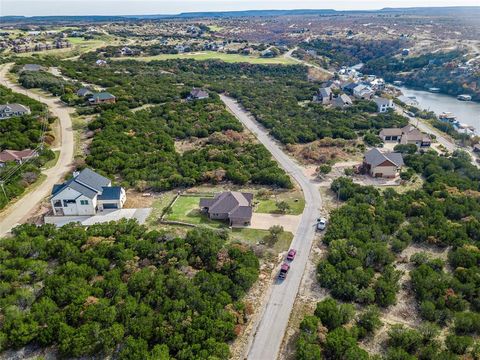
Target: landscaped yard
column 186, row 209
column 207, row 55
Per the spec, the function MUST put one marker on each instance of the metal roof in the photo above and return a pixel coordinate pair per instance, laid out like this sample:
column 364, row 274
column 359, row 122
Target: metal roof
column 110, row 193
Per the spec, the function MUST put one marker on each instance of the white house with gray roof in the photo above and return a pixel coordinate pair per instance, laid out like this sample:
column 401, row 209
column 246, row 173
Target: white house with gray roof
column 383, row 104
column 10, row 110
column 86, row 193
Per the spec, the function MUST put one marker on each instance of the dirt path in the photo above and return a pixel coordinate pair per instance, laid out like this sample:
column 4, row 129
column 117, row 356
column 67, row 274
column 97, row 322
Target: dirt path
column 23, row 208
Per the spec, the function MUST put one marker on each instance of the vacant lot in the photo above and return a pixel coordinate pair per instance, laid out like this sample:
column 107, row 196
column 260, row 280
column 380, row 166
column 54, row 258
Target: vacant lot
column 270, row 203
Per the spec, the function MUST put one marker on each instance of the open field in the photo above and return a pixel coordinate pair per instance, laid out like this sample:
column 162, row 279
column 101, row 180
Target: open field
column 208, row 55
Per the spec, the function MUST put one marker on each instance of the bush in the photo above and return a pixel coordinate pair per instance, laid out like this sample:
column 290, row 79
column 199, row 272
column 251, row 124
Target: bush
column 458, row 344
column 332, row 314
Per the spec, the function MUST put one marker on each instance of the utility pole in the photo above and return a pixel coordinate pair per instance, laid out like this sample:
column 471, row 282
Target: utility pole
column 4, row 192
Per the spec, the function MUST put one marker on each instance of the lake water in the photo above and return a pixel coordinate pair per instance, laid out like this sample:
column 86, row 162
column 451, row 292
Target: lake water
column 467, row 112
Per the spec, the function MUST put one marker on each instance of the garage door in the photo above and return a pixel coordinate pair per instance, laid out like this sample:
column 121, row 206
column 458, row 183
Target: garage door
column 110, row 206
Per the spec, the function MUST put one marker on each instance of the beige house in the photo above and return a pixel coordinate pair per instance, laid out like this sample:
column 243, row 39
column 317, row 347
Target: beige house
column 406, row 135
column 384, row 165
column 234, row 206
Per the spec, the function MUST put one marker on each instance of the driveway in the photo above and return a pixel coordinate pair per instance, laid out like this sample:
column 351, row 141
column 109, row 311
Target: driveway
column 112, row 215
column 265, row 221
column 18, row 212
column 269, row 331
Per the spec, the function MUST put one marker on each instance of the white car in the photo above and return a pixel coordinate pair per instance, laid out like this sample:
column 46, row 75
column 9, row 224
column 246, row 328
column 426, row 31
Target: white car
column 321, row 224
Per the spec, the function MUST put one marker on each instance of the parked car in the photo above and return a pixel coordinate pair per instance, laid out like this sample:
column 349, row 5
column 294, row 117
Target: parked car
column 321, row 224
column 283, row 271
column 291, row 254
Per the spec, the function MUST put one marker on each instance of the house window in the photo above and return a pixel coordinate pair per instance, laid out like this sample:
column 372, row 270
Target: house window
column 66, row 202
column 57, row 203
column 83, row 202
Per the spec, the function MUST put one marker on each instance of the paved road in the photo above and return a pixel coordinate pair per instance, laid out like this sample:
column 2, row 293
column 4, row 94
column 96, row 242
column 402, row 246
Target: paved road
column 273, row 323
column 22, row 209
column 441, row 138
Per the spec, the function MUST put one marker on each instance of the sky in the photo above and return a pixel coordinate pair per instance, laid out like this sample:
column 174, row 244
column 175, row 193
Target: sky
column 143, row 7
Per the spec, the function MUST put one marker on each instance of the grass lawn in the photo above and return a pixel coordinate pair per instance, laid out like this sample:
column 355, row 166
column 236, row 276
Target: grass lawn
column 269, row 205
column 158, row 206
column 215, row 27
column 206, row 55
column 254, row 236
column 186, row 209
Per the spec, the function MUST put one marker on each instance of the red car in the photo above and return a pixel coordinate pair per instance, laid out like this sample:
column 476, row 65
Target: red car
column 291, row 254
column 283, row 271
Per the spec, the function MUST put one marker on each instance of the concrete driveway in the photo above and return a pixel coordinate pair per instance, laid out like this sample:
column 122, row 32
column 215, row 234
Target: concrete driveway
column 106, row 216
column 265, row 221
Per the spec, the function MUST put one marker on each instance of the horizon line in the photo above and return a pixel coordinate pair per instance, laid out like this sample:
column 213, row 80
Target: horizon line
column 250, row 10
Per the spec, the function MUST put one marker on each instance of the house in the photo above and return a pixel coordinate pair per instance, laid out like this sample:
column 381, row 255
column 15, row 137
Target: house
column 9, row 110
column 102, row 98
column 407, row 135
column 234, row 206
column 332, row 84
column 82, row 92
column 383, row 104
column 342, row 101
column 377, row 84
column 19, row 156
column 86, row 193
column 348, row 87
column 32, row 67
column 198, row 94
column 100, row 62
column 385, row 165
column 324, row 96
column 363, row 91
column 408, row 100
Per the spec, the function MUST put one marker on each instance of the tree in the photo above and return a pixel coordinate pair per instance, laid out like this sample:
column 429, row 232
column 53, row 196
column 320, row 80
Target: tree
column 283, row 206
column 324, row 169
column 458, row 344
column 369, row 320
column 275, row 232
column 332, row 314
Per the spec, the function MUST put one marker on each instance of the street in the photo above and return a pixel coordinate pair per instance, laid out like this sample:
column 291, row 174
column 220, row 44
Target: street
column 19, row 211
column 270, row 329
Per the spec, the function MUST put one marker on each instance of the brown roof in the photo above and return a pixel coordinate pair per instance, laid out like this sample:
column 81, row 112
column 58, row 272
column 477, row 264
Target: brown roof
column 16, row 155
column 391, row 132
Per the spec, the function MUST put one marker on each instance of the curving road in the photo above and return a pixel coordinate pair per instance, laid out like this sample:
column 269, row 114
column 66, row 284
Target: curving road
column 271, row 327
column 289, row 55
column 23, row 208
